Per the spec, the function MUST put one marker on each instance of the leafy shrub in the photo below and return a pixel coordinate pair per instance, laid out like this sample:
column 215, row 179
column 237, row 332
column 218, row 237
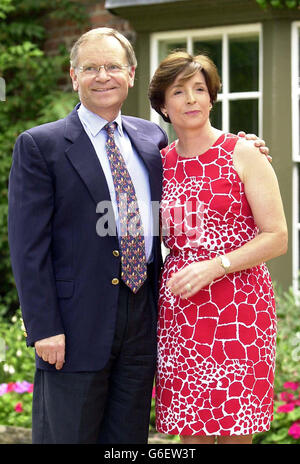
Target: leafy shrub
column 288, row 338
column 17, row 359
column 16, row 404
column 285, row 428
column 33, row 96
column 17, row 368
column 286, row 423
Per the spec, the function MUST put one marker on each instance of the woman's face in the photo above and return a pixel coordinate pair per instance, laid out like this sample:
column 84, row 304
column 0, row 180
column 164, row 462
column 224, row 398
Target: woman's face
column 187, row 103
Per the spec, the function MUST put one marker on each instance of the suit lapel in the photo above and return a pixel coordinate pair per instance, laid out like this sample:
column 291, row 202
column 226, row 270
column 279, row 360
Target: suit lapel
column 84, row 159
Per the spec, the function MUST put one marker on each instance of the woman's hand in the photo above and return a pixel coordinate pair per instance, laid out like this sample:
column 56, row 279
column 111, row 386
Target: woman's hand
column 188, row 281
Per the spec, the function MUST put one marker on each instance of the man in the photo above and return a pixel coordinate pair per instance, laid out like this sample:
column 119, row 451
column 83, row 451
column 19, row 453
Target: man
column 90, row 318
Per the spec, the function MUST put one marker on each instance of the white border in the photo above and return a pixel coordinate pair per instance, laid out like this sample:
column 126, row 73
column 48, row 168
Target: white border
column 223, row 33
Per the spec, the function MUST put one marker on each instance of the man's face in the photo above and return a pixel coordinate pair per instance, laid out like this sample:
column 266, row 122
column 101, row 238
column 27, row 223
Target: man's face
column 102, row 93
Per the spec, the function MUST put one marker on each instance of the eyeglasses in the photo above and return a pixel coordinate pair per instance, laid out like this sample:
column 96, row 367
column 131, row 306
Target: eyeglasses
column 110, row 68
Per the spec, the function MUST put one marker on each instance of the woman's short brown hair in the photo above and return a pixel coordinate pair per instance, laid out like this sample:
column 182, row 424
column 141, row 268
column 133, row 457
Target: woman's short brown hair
column 176, row 63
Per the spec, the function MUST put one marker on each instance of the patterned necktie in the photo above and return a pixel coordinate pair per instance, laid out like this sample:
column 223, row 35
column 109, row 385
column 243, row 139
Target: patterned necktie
column 132, row 243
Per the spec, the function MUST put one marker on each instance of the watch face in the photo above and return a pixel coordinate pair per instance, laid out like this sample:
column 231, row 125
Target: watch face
column 226, row 262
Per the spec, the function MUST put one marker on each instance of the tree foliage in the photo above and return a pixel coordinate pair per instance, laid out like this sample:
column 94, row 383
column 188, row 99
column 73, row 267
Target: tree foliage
column 33, row 95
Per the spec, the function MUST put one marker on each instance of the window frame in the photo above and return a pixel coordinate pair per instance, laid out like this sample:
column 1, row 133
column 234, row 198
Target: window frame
column 223, row 33
column 295, row 74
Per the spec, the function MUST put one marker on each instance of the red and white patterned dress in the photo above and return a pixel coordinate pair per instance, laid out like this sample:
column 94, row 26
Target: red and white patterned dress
column 216, row 350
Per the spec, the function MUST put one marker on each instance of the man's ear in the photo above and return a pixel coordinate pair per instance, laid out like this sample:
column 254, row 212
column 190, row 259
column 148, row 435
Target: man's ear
column 131, row 73
column 74, row 79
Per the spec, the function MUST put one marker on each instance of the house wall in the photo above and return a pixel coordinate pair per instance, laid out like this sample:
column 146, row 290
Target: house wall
column 67, row 32
column 277, row 126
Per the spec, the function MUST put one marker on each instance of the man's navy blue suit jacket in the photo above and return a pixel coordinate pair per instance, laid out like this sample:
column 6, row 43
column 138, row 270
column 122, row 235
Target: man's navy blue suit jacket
column 63, row 269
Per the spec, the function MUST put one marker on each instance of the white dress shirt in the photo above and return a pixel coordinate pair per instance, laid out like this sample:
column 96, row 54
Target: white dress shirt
column 94, row 127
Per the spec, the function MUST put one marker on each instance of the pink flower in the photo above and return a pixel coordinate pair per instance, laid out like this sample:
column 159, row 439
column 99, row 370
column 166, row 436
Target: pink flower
column 19, row 407
column 294, row 430
column 291, row 385
column 3, row 388
column 287, row 397
column 22, row 387
column 10, row 387
column 286, row 407
column 18, row 387
column 30, row 388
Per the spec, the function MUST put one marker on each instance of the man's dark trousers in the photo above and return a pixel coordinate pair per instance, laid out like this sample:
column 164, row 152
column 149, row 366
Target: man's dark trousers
column 111, row 406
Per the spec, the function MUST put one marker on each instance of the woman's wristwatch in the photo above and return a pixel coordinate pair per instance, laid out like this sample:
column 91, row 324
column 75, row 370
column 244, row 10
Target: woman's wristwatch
column 225, row 263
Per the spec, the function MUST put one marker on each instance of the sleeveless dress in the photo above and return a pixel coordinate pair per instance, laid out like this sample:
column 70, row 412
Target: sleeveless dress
column 216, row 350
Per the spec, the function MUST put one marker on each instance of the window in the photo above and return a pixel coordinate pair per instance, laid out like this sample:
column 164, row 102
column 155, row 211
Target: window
column 296, row 153
column 237, row 53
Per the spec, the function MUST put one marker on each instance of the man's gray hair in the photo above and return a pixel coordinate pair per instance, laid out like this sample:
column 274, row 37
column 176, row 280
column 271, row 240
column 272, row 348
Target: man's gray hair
column 98, row 33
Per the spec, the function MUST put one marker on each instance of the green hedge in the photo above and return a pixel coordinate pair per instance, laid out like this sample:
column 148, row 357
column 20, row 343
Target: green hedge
column 33, row 95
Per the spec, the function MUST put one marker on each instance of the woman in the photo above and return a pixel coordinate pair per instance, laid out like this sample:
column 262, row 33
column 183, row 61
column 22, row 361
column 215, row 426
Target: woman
column 222, row 219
